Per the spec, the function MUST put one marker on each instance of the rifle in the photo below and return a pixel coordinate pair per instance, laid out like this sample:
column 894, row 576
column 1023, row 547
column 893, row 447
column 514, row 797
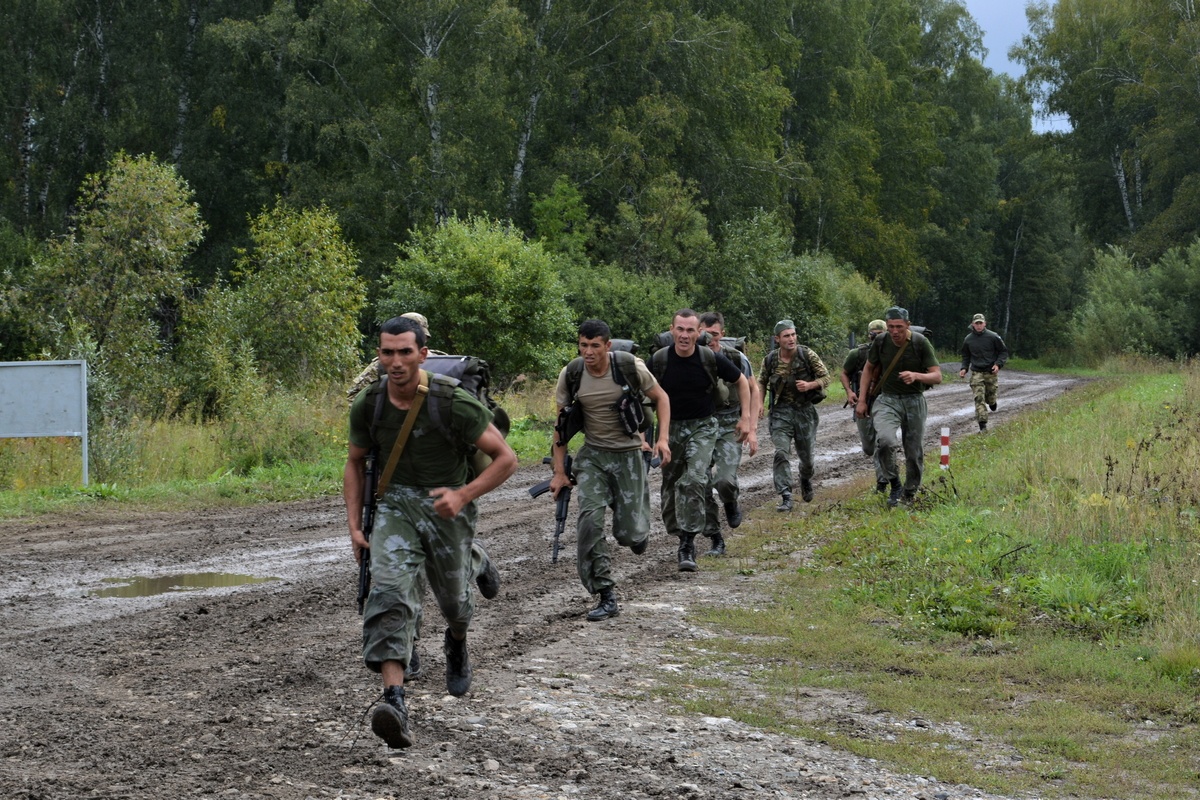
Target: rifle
column 561, row 503
column 370, row 479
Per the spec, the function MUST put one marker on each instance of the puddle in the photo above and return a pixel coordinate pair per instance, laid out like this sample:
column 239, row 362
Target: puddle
column 147, row 586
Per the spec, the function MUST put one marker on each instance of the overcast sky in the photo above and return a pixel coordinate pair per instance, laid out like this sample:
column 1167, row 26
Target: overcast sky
column 1003, row 23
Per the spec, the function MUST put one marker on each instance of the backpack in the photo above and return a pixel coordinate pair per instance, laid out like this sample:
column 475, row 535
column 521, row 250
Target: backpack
column 814, row 395
column 632, row 407
column 856, row 378
column 447, row 372
column 724, row 395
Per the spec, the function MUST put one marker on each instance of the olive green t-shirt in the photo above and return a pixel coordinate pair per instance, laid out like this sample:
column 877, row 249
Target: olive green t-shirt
column 429, row 459
column 919, row 356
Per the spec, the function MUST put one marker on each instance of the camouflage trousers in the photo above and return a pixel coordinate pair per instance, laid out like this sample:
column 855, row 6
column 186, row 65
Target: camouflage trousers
column 792, row 424
column 479, row 564
column 866, row 435
column 983, row 386
column 410, row 543
column 685, row 477
column 613, row 479
column 723, row 474
column 900, row 423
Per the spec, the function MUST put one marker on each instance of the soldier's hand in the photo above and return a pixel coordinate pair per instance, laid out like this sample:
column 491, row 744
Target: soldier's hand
column 662, row 451
column 753, row 442
column 447, row 502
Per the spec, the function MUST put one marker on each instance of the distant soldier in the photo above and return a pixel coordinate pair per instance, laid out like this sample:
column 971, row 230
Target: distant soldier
column 793, row 376
column 852, row 382
column 903, row 364
column 985, row 353
column 727, row 454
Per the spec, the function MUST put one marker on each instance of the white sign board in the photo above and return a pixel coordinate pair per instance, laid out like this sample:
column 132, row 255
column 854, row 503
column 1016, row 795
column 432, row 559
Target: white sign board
column 44, row 398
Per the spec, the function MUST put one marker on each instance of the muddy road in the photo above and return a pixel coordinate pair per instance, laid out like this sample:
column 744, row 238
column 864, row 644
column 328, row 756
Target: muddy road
column 256, row 689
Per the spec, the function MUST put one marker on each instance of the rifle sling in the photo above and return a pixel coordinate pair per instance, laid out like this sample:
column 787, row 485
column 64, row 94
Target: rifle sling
column 402, row 437
column 878, row 387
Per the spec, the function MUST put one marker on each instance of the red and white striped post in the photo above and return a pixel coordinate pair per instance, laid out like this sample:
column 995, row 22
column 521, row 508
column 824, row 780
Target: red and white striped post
column 945, row 448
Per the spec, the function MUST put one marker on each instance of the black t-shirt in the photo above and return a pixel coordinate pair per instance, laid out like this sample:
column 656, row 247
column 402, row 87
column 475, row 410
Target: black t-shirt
column 687, row 384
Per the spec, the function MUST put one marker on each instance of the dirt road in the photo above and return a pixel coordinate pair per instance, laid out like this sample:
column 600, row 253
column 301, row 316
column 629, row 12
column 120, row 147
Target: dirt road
column 256, row 690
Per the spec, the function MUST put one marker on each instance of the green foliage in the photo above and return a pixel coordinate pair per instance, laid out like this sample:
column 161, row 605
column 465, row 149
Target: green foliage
column 290, row 318
column 486, row 291
column 635, row 305
column 117, row 278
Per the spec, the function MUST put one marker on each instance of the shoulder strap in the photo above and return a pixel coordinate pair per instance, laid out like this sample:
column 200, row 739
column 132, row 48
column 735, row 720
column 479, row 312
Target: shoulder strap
column 402, row 437
column 441, row 391
column 878, row 387
column 658, row 363
column 625, row 364
column 574, row 378
column 709, row 359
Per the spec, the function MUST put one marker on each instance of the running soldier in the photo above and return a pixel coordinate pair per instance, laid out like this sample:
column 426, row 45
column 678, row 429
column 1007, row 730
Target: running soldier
column 727, row 454
column 609, row 470
column 852, row 382
column 688, row 374
column 794, row 377
column 985, row 353
column 900, row 367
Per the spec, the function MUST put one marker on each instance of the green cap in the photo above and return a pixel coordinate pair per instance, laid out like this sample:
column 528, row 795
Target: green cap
column 784, row 325
column 896, row 312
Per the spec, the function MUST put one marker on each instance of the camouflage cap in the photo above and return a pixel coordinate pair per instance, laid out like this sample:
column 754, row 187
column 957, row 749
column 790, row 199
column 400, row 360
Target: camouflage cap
column 784, row 325
column 877, row 325
column 978, row 318
column 419, row 319
column 896, row 312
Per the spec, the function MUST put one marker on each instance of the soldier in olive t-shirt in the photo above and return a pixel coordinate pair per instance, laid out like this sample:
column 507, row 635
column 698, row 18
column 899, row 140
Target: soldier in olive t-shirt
column 904, row 364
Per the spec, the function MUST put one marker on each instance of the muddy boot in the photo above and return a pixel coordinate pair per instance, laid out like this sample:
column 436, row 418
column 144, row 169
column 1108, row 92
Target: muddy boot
column 806, row 489
column 983, row 424
column 733, row 513
column 390, row 720
column 415, row 670
column 785, row 504
column 607, row 607
column 897, row 492
column 687, row 552
column 718, row 545
column 881, row 486
column 488, row 581
column 637, row 548
column 458, row 665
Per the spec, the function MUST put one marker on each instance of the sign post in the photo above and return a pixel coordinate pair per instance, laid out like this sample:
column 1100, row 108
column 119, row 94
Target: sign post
column 44, row 398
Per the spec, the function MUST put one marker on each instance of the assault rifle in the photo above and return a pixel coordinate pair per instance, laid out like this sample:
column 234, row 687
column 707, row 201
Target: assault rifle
column 561, row 503
column 370, row 481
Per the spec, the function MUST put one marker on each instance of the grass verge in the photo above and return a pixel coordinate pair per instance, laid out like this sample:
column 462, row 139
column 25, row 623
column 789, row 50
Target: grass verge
column 1029, row 627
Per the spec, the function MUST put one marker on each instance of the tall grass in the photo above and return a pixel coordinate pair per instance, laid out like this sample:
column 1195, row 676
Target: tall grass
column 1043, row 593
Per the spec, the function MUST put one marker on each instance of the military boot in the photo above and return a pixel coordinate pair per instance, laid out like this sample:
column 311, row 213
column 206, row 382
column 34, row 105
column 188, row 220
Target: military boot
column 488, row 581
column 415, row 670
column 718, row 545
column 607, row 607
column 390, row 720
column 733, row 513
column 785, row 504
column 897, row 492
column 806, row 489
column 983, row 424
column 458, row 665
column 687, row 552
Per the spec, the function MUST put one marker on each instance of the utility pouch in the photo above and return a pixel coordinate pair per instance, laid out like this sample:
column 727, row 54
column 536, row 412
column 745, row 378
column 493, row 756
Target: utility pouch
column 632, row 414
column 569, row 423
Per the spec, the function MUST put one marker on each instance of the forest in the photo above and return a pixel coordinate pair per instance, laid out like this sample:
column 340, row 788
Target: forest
column 198, row 196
